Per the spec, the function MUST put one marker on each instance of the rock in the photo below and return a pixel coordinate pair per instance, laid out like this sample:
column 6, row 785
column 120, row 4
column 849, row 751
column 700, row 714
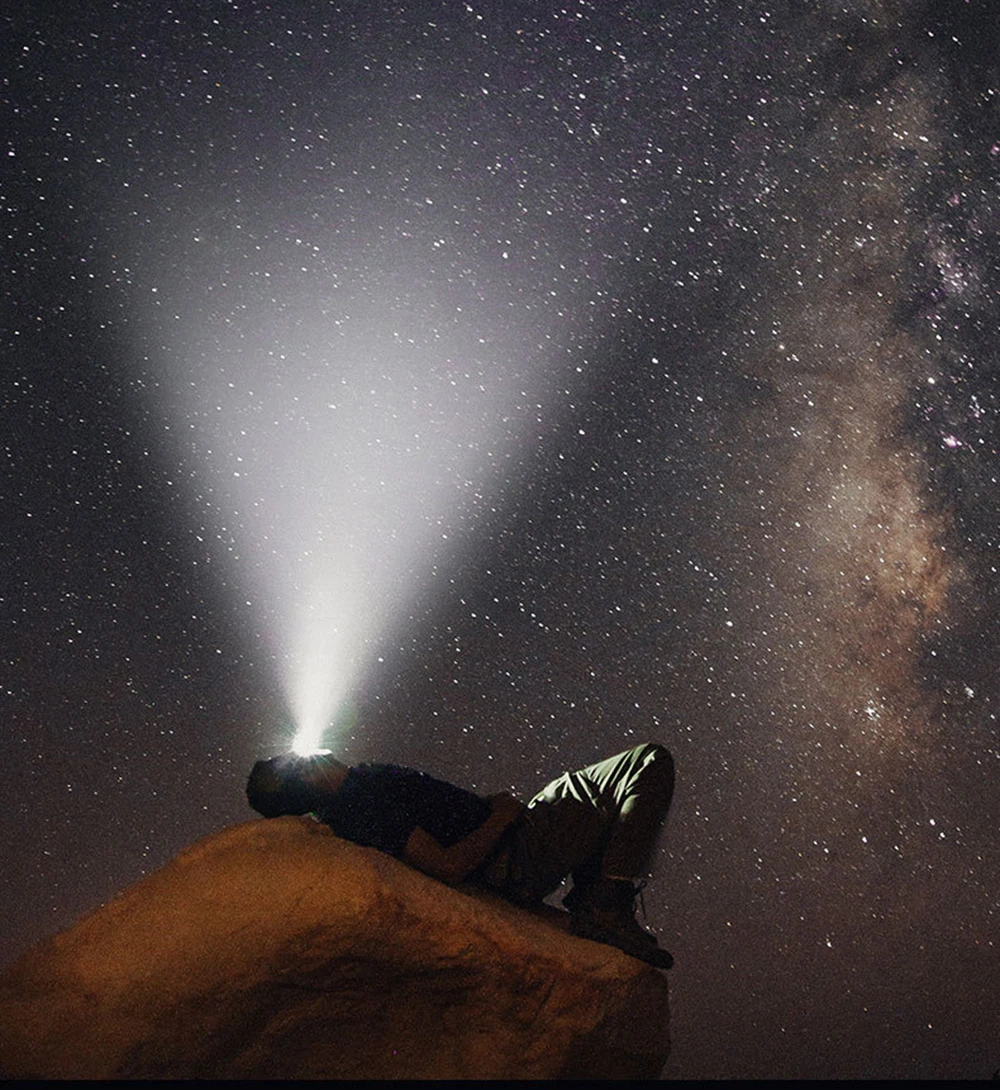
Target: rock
column 273, row 949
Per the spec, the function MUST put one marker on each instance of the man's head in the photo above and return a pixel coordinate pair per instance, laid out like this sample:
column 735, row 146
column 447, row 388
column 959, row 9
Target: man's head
column 293, row 784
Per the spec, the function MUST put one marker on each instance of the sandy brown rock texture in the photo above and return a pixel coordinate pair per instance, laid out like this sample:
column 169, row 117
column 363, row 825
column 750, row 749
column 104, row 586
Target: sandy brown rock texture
column 273, row 949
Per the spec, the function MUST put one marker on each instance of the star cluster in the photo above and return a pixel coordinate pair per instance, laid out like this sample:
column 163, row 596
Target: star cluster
column 542, row 378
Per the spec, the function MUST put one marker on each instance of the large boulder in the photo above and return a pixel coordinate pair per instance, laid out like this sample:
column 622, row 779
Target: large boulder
column 273, row 949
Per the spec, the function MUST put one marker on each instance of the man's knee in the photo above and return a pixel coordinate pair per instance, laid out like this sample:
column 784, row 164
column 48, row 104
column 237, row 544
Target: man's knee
column 654, row 752
column 657, row 761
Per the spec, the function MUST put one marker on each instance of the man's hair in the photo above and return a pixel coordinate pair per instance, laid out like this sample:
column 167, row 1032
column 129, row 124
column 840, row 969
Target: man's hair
column 277, row 786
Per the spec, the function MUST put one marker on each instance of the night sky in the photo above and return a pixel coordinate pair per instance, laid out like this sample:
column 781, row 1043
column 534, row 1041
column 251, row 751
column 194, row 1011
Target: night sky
column 506, row 384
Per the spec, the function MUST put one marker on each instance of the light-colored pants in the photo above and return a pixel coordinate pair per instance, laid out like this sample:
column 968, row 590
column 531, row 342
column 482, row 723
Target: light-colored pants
column 601, row 821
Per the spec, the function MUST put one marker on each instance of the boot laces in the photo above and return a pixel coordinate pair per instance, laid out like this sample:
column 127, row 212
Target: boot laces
column 637, row 892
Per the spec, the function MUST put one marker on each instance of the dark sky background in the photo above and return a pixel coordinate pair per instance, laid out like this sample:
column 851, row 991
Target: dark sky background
column 561, row 376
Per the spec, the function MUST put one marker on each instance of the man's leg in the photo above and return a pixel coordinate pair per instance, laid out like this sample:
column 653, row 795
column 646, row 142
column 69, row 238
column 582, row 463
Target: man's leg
column 636, row 786
column 599, row 824
column 631, row 792
column 599, row 821
column 553, row 838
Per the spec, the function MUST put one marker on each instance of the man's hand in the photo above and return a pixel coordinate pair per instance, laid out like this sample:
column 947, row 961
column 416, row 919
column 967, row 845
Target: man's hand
column 506, row 808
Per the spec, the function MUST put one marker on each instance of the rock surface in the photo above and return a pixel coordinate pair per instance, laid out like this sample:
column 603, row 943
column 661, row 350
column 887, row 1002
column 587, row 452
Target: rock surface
column 273, row 949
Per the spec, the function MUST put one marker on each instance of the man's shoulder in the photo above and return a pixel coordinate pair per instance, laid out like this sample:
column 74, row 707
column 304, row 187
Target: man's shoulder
column 377, row 773
column 382, row 768
column 394, row 775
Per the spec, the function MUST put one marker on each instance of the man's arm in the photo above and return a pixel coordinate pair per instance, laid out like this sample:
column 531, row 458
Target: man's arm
column 453, row 865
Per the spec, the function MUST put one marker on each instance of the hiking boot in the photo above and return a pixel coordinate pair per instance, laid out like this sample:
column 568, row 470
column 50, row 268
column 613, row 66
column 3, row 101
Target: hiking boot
column 609, row 903
column 605, row 912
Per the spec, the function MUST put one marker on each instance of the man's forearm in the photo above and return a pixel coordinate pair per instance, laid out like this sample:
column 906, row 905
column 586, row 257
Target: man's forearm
column 471, row 850
column 454, row 864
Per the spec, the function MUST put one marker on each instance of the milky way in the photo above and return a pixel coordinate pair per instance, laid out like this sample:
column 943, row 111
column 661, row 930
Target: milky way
column 528, row 380
column 858, row 555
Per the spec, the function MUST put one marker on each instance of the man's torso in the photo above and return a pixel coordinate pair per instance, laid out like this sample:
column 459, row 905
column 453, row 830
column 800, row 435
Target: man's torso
column 379, row 806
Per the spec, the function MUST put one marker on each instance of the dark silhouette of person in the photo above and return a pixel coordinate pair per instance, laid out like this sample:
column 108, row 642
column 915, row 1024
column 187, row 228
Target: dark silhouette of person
column 598, row 824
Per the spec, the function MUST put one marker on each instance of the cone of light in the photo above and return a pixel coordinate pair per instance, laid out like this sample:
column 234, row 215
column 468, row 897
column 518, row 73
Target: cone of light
column 334, row 479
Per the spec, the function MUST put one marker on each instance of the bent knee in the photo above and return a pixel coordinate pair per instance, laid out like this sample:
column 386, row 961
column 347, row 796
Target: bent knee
column 656, row 755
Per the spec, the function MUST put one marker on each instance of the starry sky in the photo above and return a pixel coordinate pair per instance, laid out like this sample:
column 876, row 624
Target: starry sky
column 505, row 385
